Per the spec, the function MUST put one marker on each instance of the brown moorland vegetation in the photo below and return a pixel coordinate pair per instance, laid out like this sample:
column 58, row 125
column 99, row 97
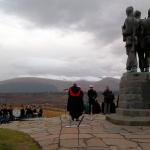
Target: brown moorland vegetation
column 52, row 112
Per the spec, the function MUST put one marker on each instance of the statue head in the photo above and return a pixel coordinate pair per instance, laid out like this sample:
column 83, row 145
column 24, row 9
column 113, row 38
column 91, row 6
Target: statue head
column 137, row 14
column 149, row 12
column 129, row 11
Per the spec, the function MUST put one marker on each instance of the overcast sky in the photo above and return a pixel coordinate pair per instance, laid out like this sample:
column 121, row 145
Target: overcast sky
column 63, row 39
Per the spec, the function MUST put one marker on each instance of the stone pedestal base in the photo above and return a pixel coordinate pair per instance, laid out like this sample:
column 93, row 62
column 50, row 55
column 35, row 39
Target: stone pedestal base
column 134, row 103
column 133, row 117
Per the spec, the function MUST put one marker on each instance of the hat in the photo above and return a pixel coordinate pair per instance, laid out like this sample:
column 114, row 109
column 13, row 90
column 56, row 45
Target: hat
column 90, row 86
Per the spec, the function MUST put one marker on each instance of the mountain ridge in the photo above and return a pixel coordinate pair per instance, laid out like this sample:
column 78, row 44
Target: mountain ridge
column 36, row 84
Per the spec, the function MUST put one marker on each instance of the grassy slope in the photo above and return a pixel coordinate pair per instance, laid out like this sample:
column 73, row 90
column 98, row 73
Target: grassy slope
column 53, row 112
column 14, row 140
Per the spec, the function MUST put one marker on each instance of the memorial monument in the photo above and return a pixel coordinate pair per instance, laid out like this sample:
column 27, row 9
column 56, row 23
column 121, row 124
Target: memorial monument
column 134, row 102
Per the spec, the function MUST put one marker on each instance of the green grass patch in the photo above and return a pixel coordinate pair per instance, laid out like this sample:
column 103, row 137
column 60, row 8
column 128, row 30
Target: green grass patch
column 15, row 140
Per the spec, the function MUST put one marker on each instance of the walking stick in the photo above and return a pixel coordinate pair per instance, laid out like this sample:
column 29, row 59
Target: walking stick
column 61, row 127
column 66, row 91
column 91, row 112
column 78, row 128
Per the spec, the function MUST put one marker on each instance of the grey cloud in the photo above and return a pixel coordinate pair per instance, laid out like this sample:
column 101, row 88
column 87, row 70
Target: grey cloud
column 99, row 17
column 38, row 66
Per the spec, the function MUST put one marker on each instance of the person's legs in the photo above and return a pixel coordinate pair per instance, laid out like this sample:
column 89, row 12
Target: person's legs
column 108, row 106
column 105, row 108
column 76, row 116
column 90, row 107
column 72, row 115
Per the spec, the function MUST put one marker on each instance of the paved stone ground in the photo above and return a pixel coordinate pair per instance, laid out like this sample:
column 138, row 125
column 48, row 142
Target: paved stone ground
column 95, row 133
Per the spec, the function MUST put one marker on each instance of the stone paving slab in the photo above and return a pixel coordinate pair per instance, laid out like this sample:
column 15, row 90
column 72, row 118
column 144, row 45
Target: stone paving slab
column 141, row 140
column 121, row 143
column 95, row 133
column 71, row 143
column 75, row 136
column 138, row 136
column 109, row 135
column 145, row 146
column 95, row 142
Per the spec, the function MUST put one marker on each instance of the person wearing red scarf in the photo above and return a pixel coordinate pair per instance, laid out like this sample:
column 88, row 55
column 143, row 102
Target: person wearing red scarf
column 75, row 102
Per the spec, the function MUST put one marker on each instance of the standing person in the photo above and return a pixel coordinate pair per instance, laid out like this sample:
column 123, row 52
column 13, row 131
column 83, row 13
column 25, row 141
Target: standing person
column 40, row 114
column 75, row 102
column 1, row 115
column 112, row 104
column 22, row 112
column 129, row 36
column 92, row 95
column 117, row 105
column 108, row 99
column 10, row 112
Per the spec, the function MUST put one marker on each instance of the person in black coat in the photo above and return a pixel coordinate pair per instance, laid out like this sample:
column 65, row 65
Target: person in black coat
column 10, row 112
column 75, row 102
column 40, row 114
column 22, row 111
column 92, row 95
column 1, row 115
column 108, row 100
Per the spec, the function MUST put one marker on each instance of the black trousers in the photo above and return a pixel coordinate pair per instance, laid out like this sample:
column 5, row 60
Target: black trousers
column 91, row 103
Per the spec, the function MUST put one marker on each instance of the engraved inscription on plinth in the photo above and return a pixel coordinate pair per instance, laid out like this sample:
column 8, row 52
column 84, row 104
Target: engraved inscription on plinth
column 135, row 91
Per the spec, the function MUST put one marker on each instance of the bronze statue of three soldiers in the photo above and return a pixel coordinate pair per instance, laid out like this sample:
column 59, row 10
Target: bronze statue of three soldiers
column 136, row 34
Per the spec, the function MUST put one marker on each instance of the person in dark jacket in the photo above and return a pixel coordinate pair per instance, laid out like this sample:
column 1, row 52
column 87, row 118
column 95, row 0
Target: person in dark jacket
column 92, row 95
column 108, row 100
column 1, row 115
column 22, row 111
column 40, row 114
column 75, row 102
column 10, row 112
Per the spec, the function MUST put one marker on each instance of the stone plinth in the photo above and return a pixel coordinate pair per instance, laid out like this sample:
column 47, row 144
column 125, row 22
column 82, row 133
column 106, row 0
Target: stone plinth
column 135, row 91
column 134, row 102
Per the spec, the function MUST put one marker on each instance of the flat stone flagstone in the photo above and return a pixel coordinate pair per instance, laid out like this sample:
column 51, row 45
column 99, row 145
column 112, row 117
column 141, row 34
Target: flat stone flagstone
column 121, row 143
column 95, row 133
column 72, row 143
column 108, row 135
column 95, row 142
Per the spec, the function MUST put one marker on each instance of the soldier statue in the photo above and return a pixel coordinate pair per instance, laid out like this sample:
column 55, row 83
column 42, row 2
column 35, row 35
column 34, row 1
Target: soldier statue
column 146, row 37
column 139, row 46
column 129, row 36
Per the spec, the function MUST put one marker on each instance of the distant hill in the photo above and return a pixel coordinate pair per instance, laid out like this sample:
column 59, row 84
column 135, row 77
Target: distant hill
column 26, row 85
column 36, row 85
column 113, row 83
